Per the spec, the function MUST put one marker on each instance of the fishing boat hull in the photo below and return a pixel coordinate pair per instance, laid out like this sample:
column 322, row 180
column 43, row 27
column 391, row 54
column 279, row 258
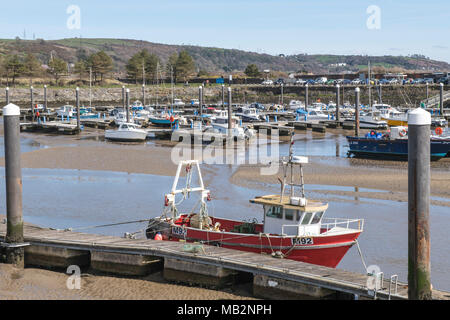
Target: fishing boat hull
column 396, row 149
column 324, row 249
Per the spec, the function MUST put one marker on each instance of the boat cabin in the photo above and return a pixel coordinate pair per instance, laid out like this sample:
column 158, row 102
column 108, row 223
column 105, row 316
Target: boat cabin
column 290, row 216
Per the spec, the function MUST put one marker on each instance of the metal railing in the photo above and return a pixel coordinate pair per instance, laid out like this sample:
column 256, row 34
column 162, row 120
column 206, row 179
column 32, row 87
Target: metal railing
column 301, row 230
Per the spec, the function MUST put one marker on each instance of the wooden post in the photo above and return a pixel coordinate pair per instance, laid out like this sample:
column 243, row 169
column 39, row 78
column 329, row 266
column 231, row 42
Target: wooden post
column 230, row 110
column 77, row 101
column 306, row 97
column 200, row 102
column 7, row 95
column 45, row 97
column 143, row 95
column 338, row 116
column 127, row 104
column 441, row 98
column 357, row 112
column 32, row 102
column 223, row 96
column 419, row 269
column 13, row 177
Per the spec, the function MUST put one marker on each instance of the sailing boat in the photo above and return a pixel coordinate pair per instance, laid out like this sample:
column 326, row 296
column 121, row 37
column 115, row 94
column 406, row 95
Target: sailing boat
column 293, row 227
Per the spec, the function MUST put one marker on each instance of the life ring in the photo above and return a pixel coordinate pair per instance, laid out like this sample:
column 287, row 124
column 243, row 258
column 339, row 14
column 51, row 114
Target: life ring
column 402, row 132
column 172, row 119
column 438, row 131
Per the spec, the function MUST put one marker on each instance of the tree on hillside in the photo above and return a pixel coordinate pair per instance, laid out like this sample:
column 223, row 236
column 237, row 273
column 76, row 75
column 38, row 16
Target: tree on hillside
column 56, row 67
column 142, row 63
column 32, row 66
column 184, row 66
column 171, row 65
column 101, row 65
column 252, row 71
column 13, row 67
column 80, row 69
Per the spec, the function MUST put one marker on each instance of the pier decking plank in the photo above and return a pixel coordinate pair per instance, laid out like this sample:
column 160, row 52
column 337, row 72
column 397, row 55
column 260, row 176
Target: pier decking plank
column 334, row 279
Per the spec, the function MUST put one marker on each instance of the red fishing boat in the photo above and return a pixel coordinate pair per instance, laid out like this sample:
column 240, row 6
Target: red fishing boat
column 293, row 227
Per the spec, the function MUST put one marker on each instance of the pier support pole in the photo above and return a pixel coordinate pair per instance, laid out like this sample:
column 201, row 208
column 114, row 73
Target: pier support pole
column 230, row 110
column 45, row 97
column 282, row 87
column 7, row 95
column 32, row 103
column 427, row 92
column 77, row 101
column 13, row 177
column 357, row 112
column 441, row 98
column 123, row 97
column 127, row 105
column 381, row 93
column 200, row 102
column 223, row 96
column 306, row 97
column 419, row 285
column 143, row 95
column 338, row 116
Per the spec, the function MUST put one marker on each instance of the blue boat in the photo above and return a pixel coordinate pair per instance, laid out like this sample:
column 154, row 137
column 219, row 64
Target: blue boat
column 162, row 121
column 383, row 147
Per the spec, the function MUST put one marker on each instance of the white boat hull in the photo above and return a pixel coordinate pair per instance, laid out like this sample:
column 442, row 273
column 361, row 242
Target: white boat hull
column 135, row 135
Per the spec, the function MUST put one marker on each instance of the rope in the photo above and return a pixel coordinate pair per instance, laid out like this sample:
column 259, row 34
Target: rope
column 106, row 225
column 360, row 254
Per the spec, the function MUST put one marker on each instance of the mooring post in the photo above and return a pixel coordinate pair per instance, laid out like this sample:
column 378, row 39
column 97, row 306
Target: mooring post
column 306, row 97
column 13, row 177
column 123, row 98
column 45, row 97
column 441, row 98
column 338, row 117
column 7, row 95
column 143, row 94
column 381, row 93
column 200, row 102
column 77, row 101
column 419, row 285
column 32, row 102
column 127, row 104
column 427, row 91
column 357, row 111
column 223, row 96
column 282, row 86
column 229, row 111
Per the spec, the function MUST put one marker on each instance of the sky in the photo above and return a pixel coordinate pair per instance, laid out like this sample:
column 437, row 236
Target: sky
column 374, row 27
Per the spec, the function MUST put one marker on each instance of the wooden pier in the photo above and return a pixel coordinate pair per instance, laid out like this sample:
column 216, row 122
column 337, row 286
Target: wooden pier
column 49, row 126
column 271, row 276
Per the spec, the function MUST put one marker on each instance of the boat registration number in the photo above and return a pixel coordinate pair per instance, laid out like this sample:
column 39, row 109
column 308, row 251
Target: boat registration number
column 302, row 241
column 179, row 231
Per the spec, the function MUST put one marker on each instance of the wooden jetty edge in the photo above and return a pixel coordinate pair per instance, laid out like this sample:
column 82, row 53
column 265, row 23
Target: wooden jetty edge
column 272, row 277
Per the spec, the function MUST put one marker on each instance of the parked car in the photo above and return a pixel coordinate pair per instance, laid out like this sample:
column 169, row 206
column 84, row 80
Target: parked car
column 280, row 81
column 428, row 80
column 384, row 81
column 321, row 80
column 408, row 81
column 338, row 81
column 418, row 81
column 310, row 81
column 444, row 80
column 356, row 81
column 393, row 81
column 346, row 81
column 267, row 82
column 300, row 81
column 330, row 82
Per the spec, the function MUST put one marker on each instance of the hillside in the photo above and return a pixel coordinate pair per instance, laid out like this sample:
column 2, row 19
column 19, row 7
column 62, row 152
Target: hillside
column 215, row 60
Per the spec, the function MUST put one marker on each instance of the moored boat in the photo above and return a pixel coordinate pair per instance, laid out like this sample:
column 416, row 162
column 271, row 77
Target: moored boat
column 129, row 132
column 392, row 145
column 293, row 227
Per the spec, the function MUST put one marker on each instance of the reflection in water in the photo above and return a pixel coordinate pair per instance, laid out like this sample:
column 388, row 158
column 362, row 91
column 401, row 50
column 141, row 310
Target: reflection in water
column 80, row 198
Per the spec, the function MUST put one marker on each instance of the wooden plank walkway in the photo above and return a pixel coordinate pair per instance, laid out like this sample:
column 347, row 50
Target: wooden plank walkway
column 329, row 278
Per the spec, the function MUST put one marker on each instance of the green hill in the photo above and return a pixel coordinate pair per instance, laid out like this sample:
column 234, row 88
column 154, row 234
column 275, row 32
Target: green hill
column 214, row 60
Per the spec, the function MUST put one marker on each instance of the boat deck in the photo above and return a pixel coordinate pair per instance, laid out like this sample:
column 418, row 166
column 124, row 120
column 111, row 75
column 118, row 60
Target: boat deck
column 333, row 279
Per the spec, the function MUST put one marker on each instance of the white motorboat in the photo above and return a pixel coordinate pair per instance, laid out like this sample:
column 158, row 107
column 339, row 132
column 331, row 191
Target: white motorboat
column 316, row 116
column 127, row 132
column 248, row 114
column 392, row 116
column 296, row 104
column 66, row 111
column 370, row 120
column 178, row 103
column 219, row 123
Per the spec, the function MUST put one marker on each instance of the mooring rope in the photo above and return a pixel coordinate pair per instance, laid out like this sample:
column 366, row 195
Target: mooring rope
column 360, row 254
column 106, row 225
